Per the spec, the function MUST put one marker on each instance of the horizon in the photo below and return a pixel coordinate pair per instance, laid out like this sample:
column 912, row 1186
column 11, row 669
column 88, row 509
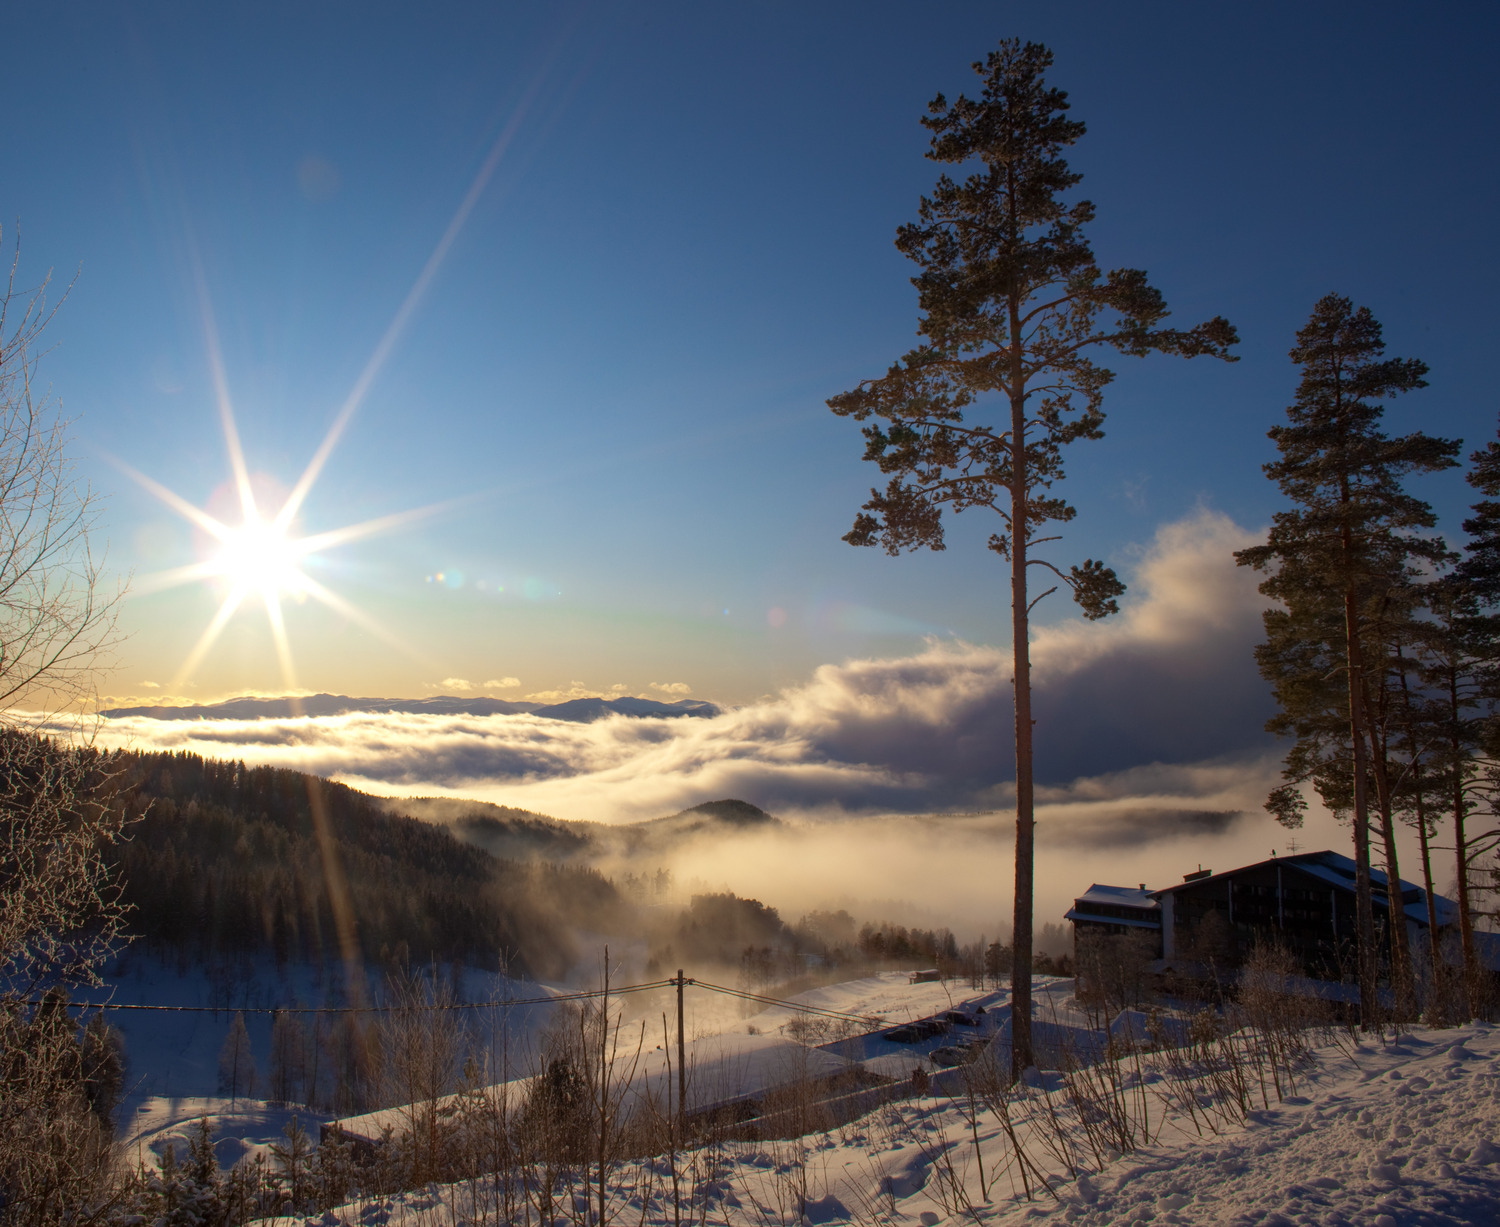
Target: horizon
column 459, row 357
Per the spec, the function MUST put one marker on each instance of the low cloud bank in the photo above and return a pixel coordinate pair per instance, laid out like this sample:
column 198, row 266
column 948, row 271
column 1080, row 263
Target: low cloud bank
column 1171, row 680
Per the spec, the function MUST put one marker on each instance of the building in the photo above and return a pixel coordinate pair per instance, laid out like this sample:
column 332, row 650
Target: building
column 1116, row 910
column 1304, row 902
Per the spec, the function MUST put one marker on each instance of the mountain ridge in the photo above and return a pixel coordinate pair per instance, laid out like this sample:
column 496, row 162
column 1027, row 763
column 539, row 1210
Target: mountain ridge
column 577, row 711
column 517, row 834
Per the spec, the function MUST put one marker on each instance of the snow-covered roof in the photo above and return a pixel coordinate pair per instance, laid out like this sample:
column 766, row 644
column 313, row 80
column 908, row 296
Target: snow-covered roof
column 1119, row 896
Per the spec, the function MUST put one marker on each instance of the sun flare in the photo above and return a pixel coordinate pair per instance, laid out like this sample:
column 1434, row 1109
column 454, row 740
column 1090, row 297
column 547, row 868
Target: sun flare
column 259, row 557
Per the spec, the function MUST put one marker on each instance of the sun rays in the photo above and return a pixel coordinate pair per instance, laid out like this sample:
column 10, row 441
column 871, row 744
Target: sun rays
column 260, row 557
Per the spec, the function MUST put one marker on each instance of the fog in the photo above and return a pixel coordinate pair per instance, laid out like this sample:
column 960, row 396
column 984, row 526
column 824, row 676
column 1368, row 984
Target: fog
column 894, row 776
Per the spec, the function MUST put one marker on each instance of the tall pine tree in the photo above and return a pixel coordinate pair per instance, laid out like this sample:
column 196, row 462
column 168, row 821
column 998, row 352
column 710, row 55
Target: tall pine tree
column 1475, row 630
column 1348, row 546
column 1012, row 304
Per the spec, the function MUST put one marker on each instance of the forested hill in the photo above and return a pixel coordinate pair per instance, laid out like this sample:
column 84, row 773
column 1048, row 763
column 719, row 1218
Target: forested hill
column 225, row 861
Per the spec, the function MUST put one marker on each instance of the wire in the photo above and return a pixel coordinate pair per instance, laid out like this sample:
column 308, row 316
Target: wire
column 799, row 1006
column 506, row 1002
column 499, row 1003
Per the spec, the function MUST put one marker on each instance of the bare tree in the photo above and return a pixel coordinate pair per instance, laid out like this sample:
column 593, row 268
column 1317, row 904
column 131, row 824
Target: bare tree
column 57, row 619
column 423, row 1041
column 236, row 1062
column 61, row 915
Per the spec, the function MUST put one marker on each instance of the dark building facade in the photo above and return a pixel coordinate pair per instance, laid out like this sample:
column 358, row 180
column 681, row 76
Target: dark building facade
column 1210, row 922
column 1304, row 902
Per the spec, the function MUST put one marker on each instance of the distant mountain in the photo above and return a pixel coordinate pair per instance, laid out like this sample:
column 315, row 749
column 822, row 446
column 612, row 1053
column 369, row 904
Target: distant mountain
column 578, row 711
column 586, row 711
column 711, row 814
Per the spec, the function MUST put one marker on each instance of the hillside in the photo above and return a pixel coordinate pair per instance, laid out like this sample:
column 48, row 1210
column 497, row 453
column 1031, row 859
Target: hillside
column 522, row 835
column 226, row 860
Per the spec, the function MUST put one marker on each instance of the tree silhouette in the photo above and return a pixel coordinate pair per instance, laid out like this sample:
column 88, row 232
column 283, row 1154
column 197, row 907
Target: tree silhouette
column 1012, row 303
column 1337, row 560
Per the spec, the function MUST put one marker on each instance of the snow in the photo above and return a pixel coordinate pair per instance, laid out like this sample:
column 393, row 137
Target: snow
column 1384, row 1134
column 722, row 1069
column 1387, row 1134
column 242, row 1128
column 175, row 1055
column 1375, row 1133
column 1119, row 896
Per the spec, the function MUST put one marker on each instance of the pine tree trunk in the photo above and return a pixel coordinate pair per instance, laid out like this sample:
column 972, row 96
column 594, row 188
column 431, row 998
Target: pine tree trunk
column 1434, row 945
column 1402, row 980
column 1364, row 903
column 1473, row 989
column 1020, row 976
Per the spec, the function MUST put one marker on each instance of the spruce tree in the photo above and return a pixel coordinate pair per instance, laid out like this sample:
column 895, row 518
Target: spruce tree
column 1348, row 546
column 1012, row 304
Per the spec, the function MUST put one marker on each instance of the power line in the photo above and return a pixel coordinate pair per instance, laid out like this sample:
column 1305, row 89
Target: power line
column 799, row 1007
column 581, row 995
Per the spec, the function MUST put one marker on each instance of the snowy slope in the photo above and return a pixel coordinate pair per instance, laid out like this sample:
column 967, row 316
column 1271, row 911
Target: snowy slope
column 1388, row 1135
column 173, row 1054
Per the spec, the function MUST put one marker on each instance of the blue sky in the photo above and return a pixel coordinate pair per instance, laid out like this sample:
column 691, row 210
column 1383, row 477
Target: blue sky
column 685, row 247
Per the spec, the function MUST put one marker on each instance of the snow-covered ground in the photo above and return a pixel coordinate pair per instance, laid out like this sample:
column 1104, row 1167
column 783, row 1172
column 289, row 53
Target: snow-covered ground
column 174, row 1056
column 1384, row 1134
column 1401, row 1131
column 242, row 1128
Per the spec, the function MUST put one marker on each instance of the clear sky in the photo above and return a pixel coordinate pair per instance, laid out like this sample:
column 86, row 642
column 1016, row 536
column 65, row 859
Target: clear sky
column 618, row 362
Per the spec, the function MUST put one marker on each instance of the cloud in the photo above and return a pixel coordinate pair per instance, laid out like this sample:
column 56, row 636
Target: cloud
column 456, row 683
column 502, row 683
column 672, row 687
column 1171, row 680
column 1173, row 676
column 151, row 685
column 896, row 774
column 578, row 690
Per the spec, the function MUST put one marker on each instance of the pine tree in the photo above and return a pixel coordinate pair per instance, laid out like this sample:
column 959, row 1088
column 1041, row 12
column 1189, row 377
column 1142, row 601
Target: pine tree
column 202, row 1166
column 1345, row 550
column 294, row 1158
column 1475, row 652
column 1012, row 303
column 102, row 1054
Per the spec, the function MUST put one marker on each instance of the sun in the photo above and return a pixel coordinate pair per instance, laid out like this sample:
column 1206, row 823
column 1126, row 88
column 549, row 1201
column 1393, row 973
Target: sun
column 260, row 558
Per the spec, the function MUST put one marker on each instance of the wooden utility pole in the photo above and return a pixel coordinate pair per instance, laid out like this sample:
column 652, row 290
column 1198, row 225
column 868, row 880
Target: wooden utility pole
column 681, row 1063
